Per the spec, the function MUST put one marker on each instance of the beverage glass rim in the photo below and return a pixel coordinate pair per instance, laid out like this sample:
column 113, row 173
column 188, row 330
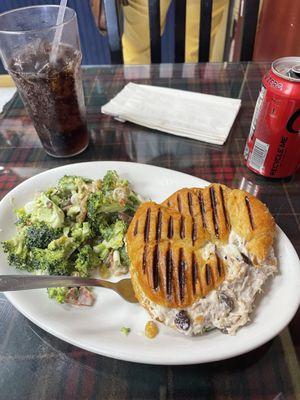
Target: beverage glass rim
column 20, row 32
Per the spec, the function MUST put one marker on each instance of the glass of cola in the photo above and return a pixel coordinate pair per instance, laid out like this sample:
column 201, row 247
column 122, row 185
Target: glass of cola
column 51, row 88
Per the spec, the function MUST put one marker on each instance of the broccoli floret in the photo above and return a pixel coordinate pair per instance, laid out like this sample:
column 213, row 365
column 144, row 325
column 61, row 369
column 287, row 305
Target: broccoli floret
column 93, row 205
column 132, row 203
column 58, row 196
column 112, row 180
column 17, row 252
column 100, row 220
column 82, row 232
column 63, row 244
column 86, row 260
column 40, row 235
column 59, row 294
column 54, row 260
column 114, row 197
column 125, row 261
column 67, row 183
column 99, row 203
column 116, row 187
column 113, row 239
column 114, row 234
column 71, row 183
column 23, row 217
column 102, row 251
column 120, row 191
column 101, row 212
column 45, row 210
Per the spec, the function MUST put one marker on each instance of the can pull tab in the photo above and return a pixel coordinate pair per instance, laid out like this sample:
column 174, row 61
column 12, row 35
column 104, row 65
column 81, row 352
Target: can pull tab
column 295, row 71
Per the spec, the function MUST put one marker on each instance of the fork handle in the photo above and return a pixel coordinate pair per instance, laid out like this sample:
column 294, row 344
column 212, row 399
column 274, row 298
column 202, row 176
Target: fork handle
column 23, row 282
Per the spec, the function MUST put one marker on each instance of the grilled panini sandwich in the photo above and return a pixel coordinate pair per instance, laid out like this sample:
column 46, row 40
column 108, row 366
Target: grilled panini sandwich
column 199, row 258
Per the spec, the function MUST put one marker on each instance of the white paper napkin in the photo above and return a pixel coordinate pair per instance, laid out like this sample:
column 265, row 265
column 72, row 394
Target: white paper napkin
column 195, row 115
column 6, row 94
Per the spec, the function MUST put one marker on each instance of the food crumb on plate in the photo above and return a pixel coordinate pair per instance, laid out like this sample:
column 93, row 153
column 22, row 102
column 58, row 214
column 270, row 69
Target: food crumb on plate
column 125, row 330
column 151, row 330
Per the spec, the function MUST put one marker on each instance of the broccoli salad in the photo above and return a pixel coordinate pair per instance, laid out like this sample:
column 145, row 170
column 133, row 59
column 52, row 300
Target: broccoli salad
column 75, row 228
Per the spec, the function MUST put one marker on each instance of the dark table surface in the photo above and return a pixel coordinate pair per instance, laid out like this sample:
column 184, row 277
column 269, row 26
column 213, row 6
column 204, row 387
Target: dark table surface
column 36, row 365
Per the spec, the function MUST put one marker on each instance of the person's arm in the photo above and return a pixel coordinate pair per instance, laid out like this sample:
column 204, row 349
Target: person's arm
column 99, row 14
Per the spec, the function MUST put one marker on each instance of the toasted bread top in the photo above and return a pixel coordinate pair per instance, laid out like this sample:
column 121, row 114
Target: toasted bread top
column 165, row 241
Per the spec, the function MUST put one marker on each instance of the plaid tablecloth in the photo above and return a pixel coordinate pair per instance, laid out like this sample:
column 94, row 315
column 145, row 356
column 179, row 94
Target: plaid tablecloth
column 36, row 365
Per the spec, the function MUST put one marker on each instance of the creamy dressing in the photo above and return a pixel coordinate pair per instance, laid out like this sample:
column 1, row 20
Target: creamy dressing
column 228, row 307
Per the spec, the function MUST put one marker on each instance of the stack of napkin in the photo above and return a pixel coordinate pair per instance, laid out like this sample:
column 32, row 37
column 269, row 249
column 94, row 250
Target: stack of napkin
column 189, row 114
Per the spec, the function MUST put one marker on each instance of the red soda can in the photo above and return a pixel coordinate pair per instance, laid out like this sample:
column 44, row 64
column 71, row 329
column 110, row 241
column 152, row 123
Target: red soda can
column 273, row 145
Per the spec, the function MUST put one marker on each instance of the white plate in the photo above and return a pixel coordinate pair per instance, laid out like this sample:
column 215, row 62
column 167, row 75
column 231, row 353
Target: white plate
column 97, row 329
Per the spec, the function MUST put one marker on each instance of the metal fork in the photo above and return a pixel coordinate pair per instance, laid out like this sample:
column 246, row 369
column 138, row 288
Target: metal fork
column 23, row 282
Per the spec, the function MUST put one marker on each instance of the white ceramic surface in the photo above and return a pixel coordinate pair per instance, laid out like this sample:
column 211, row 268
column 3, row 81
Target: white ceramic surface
column 97, row 328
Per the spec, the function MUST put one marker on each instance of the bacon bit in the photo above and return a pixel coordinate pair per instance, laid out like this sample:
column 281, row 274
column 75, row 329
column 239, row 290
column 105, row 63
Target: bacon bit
column 83, row 207
column 80, row 296
column 125, row 217
column 86, row 297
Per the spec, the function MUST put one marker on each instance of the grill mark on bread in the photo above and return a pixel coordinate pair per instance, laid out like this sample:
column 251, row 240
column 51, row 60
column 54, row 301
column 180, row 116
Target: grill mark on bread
column 158, row 225
column 181, row 274
column 182, row 227
column 169, row 272
column 144, row 259
column 190, row 203
column 179, row 203
column 194, row 272
column 247, row 201
column 191, row 211
column 219, row 266
column 224, row 208
column 170, row 228
column 214, row 210
column 246, row 259
column 208, row 275
column 136, row 227
column 155, row 260
column 147, row 226
column 202, row 209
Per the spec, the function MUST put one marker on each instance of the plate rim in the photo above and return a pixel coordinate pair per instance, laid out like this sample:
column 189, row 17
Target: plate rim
column 185, row 360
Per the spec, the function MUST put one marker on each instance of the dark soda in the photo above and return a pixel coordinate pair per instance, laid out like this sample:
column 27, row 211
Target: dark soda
column 53, row 96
